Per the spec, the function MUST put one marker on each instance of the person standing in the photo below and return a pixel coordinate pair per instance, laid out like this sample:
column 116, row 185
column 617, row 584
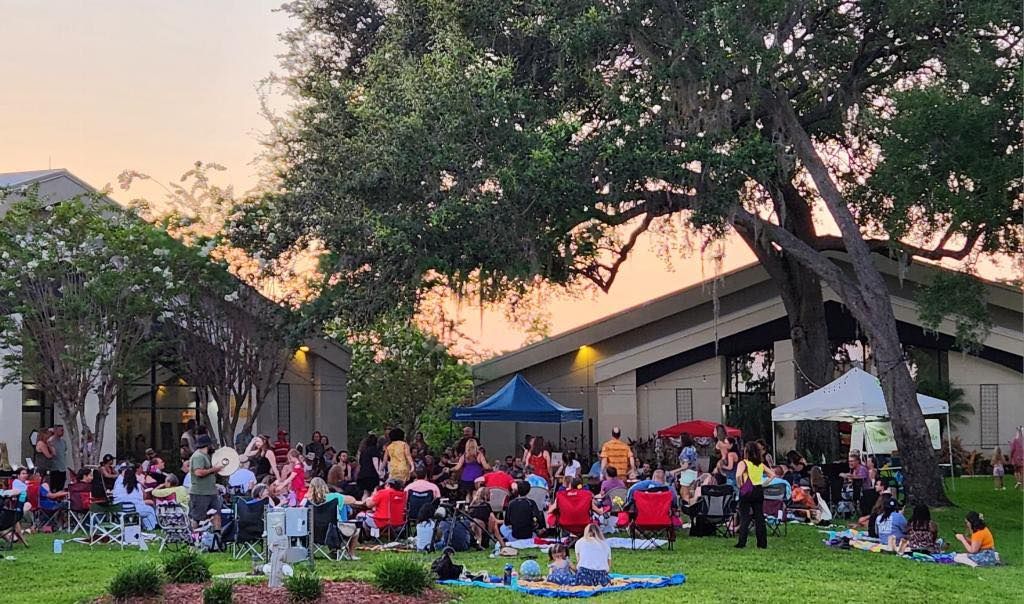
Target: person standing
column 43, row 458
column 59, row 467
column 398, row 457
column 468, row 434
column 537, row 457
column 750, row 475
column 617, row 454
column 1017, row 456
column 368, row 460
column 202, row 493
column 188, row 440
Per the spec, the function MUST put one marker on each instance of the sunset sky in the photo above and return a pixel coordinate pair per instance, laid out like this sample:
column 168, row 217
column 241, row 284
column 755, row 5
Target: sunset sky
column 100, row 86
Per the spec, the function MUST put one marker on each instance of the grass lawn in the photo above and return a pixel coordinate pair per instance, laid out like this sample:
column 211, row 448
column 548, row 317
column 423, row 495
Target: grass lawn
column 796, row 568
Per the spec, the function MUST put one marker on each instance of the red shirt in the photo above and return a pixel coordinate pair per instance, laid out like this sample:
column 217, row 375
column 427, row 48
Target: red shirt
column 498, row 479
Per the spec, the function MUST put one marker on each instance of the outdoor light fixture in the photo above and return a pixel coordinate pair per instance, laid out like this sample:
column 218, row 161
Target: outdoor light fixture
column 304, row 348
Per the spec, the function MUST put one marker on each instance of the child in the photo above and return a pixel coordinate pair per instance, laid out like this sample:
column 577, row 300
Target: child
column 998, row 470
column 890, row 525
column 981, row 549
column 922, row 533
column 560, row 570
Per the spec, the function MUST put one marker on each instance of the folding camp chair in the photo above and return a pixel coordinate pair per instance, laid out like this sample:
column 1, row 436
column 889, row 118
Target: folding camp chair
column 10, row 515
column 394, row 527
column 111, row 523
column 653, row 514
column 417, row 501
column 775, row 510
column 326, row 537
column 572, row 513
column 498, row 498
column 714, row 509
column 249, row 526
column 49, row 519
column 539, row 496
column 615, row 499
column 78, row 512
column 173, row 520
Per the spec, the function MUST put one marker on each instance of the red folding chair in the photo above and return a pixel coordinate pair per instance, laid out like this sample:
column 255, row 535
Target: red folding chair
column 394, row 525
column 572, row 514
column 653, row 516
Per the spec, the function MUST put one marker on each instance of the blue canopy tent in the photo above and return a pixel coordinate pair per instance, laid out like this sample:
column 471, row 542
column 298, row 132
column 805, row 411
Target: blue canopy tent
column 518, row 401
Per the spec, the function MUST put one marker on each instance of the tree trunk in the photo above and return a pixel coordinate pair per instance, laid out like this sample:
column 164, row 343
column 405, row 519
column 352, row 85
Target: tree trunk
column 74, row 441
column 101, row 422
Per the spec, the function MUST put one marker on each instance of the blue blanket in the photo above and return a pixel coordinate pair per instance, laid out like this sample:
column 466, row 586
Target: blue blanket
column 551, row 590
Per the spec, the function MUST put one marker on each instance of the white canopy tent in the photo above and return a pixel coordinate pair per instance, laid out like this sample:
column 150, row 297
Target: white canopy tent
column 856, row 396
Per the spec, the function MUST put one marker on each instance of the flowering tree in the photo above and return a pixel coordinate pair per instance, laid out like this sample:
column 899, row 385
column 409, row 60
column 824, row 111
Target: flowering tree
column 82, row 285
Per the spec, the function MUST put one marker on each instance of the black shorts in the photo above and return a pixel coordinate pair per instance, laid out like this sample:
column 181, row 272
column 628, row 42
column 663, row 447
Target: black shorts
column 368, row 484
column 199, row 505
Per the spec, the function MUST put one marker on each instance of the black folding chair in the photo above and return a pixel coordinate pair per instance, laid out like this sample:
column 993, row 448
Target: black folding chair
column 326, row 536
column 249, row 526
column 416, row 502
column 175, row 525
column 715, row 508
column 9, row 518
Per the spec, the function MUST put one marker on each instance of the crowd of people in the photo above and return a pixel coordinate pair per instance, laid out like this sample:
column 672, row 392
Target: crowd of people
column 388, row 465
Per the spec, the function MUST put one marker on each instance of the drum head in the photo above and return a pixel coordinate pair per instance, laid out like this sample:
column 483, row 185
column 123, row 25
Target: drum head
column 225, row 453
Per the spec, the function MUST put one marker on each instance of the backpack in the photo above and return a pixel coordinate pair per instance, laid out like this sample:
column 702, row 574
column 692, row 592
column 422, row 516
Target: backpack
column 445, row 569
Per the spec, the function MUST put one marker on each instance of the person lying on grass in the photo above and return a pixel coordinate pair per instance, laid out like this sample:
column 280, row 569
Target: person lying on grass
column 981, row 548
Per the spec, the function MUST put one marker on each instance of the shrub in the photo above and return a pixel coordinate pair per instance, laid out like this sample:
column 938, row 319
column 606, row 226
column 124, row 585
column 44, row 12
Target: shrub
column 219, row 592
column 140, row 579
column 304, row 586
column 187, row 566
column 401, row 575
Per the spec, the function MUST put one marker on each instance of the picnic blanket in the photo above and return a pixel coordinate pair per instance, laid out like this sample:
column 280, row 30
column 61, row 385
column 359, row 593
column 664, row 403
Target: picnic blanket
column 613, row 542
column 552, row 590
column 854, row 539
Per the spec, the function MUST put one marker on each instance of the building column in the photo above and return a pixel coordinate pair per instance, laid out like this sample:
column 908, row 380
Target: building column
column 785, row 390
column 10, row 422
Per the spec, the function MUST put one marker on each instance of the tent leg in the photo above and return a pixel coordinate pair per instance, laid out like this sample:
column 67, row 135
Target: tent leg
column 949, row 441
column 775, row 447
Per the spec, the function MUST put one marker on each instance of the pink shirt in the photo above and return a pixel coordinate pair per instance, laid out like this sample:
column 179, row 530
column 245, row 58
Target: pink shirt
column 423, row 485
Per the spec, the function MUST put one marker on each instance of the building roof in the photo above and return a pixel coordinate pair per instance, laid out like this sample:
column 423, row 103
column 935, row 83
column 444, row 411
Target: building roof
column 999, row 294
column 12, row 179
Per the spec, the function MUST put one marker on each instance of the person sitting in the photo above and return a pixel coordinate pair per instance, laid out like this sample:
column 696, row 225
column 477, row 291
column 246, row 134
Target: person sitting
column 570, row 467
column 655, row 483
column 171, row 491
column 560, row 570
column 319, row 493
column 593, row 558
column 890, row 525
column 51, row 501
column 340, row 475
column 485, row 524
column 535, row 480
column 776, row 478
column 243, row 479
column 422, row 485
column 613, row 481
column 81, row 485
column 574, row 484
column 981, row 548
column 922, row 533
column 496, row 478
column 522, row 517
column 127, row 490
column 379, row 504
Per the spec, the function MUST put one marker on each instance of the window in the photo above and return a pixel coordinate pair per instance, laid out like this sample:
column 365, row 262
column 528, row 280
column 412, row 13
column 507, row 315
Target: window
column 989, row 412
column 284, row 407
column 749, row 386
column 684, row 404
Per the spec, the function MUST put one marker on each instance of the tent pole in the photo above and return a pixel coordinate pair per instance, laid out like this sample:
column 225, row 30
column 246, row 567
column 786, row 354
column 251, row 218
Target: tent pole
column 775, row 447
column 949, row 441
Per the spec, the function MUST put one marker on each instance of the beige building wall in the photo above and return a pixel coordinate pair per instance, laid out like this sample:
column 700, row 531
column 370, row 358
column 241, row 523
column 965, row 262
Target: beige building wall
column 656, row 401
column 617, row 406
column 970, row 373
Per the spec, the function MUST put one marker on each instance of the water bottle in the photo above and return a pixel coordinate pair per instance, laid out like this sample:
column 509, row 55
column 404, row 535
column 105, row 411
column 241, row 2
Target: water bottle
column 58, row 546
column 515, row 579
column 507, row 578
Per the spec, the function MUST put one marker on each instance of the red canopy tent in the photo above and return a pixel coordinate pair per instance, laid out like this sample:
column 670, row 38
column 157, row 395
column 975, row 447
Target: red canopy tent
column 697, row 427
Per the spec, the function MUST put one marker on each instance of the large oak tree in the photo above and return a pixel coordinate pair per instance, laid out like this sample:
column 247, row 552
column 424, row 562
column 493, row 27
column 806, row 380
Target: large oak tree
column 449, row 140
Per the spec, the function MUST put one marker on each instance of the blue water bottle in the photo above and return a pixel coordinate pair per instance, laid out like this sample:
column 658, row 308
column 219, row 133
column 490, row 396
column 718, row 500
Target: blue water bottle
column 507, row 579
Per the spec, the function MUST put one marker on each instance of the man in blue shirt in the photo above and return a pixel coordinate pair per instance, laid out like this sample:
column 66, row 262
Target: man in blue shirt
column 655, row 482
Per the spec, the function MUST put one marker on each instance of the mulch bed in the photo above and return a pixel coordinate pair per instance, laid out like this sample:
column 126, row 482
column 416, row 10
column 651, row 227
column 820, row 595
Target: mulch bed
column 334, row 592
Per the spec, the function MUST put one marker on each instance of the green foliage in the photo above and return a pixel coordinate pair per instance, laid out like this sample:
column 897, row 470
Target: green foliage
column 304, row 586
column 463, row 140
column 402, row 376
column 961, row 298
column 218, row 592
column 187, row 566
column 139, row 579
column 402, row 575
column 959, row 410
